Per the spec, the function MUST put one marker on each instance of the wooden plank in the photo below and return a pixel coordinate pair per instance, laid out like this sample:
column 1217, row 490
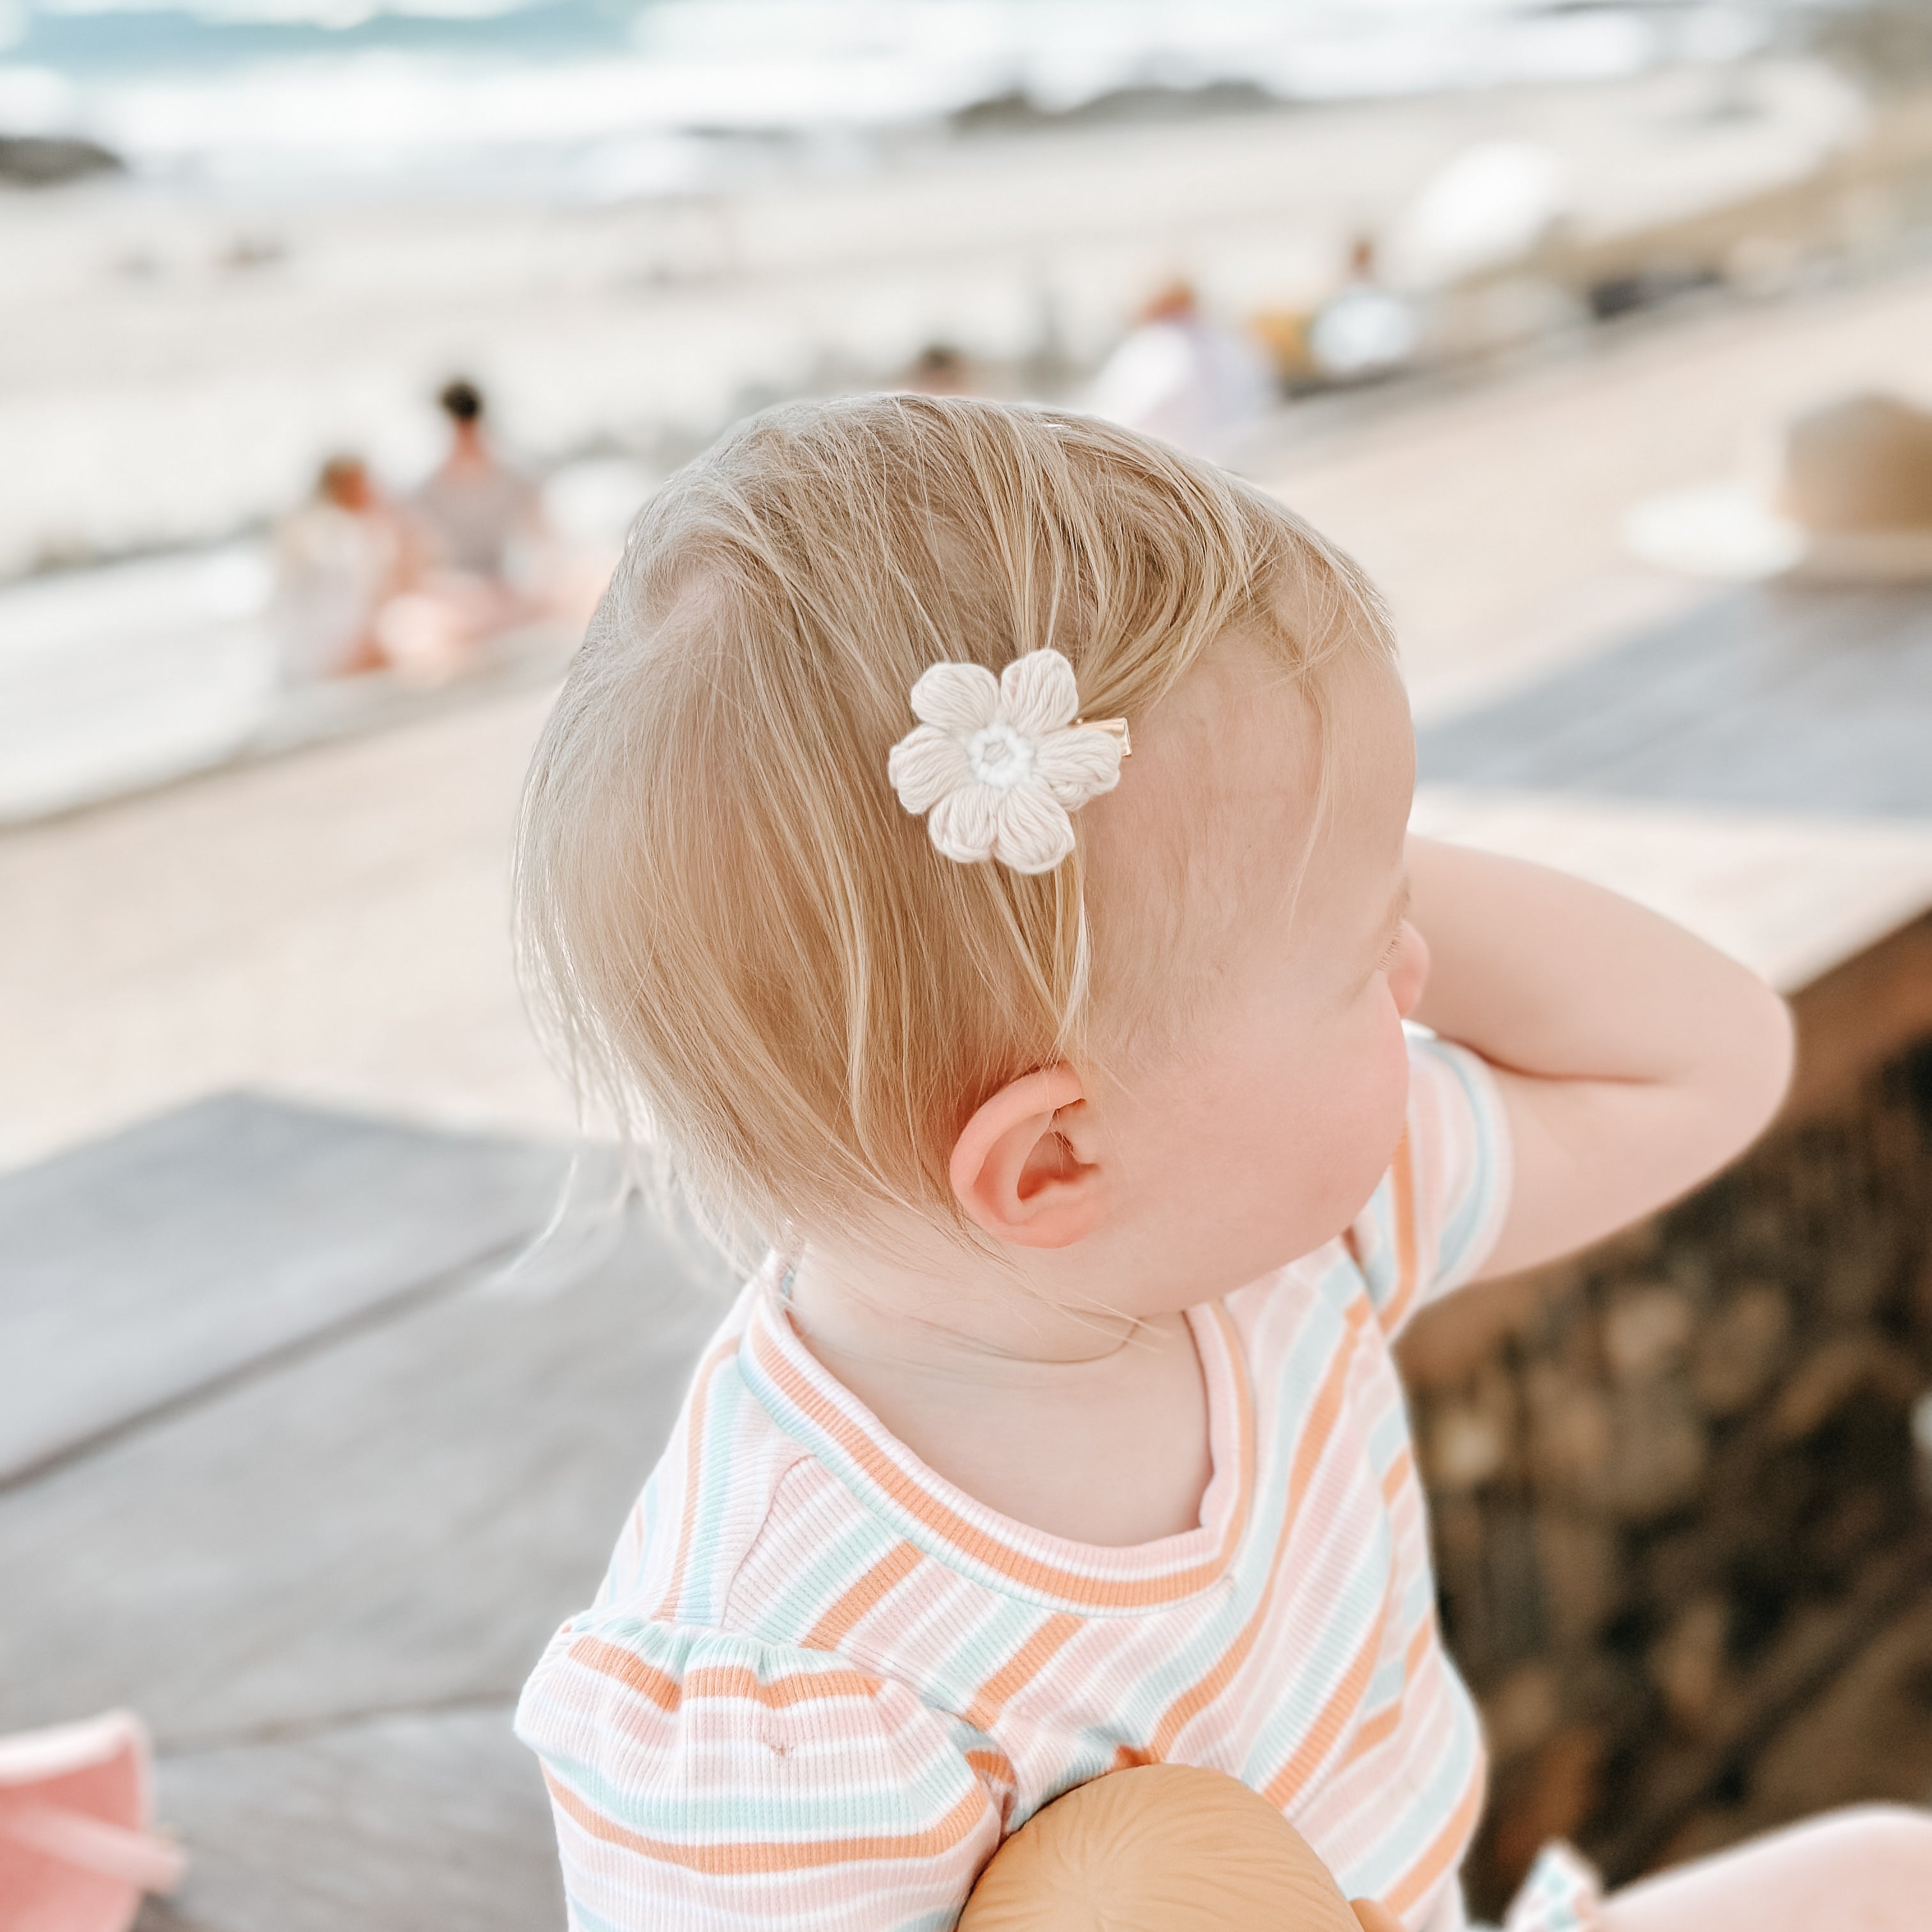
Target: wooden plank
column 416, row 1824
column 393, row 1523
column 139, row 1268
column 1816, row 701
column 1792, row 897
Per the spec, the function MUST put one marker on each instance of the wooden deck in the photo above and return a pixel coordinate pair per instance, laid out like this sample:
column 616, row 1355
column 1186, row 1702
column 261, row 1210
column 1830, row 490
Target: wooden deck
column 1760, row 770
column 289, row 1465
column 293, row 1469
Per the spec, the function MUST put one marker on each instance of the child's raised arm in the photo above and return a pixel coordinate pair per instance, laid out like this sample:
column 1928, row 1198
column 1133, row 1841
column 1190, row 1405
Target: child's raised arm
column 1634, row 1060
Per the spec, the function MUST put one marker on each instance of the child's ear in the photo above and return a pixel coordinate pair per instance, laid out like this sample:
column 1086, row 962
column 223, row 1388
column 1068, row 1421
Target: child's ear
column 1025, row 1167
column 1374, row 1916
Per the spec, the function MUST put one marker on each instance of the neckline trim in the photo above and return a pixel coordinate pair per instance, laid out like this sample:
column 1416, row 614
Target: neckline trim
column 938, row 1518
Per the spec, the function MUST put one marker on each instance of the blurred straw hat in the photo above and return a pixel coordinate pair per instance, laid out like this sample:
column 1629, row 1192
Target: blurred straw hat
column 1851, row 503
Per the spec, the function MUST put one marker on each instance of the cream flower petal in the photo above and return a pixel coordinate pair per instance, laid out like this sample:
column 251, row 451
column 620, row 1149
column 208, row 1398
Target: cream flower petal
column 1037, row 694
column 1078, row 763
column 965, row 824
column 926, row 764
column 960, row 697
column 1035, row 834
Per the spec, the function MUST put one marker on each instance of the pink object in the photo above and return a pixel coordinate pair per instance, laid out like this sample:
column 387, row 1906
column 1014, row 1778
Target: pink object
column 76, row 1852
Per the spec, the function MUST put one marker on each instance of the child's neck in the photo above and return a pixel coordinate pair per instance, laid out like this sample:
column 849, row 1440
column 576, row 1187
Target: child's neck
column 1088, row 1425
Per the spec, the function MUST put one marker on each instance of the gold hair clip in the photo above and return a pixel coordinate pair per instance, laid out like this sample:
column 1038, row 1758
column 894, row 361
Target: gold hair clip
column 1114, row 727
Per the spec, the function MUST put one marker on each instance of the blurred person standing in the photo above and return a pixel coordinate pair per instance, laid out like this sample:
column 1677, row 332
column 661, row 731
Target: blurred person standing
column 339, row 560
column 482, row 518
column 1184, row 378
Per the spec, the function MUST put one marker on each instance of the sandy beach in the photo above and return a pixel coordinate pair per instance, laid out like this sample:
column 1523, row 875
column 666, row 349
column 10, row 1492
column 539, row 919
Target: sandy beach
column 177, row 363
column 333, row 924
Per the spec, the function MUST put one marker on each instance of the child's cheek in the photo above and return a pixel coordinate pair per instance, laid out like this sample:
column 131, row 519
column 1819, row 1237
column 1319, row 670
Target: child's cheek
column 1349, row 1115
column 1369, row 1123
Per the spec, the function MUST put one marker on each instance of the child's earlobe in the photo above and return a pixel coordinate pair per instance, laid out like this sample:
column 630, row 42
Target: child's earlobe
column 1018, row 1168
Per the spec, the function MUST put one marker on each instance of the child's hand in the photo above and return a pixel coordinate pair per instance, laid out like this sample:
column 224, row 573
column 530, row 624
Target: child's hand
column 1634, row 1059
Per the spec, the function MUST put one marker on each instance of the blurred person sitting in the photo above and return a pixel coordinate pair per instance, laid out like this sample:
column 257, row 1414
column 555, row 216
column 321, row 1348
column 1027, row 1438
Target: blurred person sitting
column 1363, row 330
column 339, row 560
column 1183, row 378
column 482, row 518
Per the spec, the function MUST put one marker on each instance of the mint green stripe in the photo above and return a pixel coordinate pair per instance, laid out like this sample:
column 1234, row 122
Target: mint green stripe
column 1411, row 1832
column 1322, row 1666
column 796, row 1814
column 813, row 1591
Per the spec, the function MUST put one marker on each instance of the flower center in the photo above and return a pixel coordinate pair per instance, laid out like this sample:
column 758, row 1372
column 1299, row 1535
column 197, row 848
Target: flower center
column 999, row 756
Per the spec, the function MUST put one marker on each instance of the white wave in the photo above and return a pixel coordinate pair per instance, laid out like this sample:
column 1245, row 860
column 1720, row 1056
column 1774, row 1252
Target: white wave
column 615, row 122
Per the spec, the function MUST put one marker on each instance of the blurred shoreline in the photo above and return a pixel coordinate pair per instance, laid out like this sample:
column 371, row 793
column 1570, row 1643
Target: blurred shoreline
column 178, row 363
column 180, row 359
column 597, row 100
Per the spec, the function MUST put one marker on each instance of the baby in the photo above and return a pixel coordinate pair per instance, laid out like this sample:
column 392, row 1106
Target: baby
column 971, row 851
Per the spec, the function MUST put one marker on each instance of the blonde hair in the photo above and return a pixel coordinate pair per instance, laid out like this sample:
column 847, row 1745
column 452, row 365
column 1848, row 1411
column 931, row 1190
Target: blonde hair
column 738, row 944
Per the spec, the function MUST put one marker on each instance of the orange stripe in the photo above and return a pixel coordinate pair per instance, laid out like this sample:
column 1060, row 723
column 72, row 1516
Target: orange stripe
column 1397, row 1474
column 694, row 1438
column 1402, row 1196
column 891, row 1569
column 994, row 1764
column 1389, row 1716
column 611, row 1660
column 1418, row 1644
column 1447, row 1848
column 1343, row 1702
column 736, row 1680
column 746, row 1857
column 937, row 1516
column 1384, row 1724
column 717, row 1680
column 1019, row 1670
column 1322, row 1417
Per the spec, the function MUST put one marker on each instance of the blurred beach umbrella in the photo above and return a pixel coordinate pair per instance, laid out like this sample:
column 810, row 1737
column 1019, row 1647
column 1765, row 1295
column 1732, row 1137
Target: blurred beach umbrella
column 1489, row 206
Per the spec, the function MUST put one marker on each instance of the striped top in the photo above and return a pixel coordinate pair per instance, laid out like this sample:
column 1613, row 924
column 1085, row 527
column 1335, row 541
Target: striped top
column 820, row 1683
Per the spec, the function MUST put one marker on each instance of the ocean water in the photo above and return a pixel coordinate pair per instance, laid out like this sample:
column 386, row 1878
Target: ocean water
column 609, row 99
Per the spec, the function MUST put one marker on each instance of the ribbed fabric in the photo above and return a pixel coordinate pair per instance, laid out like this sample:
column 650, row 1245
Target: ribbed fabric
column 820, row 1683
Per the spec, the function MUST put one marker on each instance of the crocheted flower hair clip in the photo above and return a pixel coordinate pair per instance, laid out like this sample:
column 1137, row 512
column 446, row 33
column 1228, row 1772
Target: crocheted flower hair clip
column 996, row 765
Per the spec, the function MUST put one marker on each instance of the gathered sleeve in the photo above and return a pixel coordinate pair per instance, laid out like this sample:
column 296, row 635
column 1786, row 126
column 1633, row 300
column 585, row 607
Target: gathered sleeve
column 1431, row 1224
column 704, row 1782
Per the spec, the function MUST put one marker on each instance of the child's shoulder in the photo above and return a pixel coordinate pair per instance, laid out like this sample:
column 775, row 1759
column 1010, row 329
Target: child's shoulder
column 728, row 1599
column 726, row 1472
